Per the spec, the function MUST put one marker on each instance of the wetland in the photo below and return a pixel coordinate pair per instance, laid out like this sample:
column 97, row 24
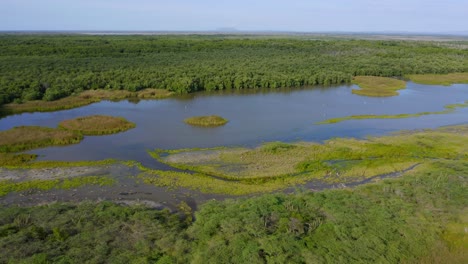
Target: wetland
column 361, row 157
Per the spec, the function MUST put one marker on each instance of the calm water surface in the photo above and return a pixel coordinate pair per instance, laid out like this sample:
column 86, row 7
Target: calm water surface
column 254, row 117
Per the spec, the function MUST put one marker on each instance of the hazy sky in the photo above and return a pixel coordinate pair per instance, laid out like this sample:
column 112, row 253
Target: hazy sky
column 286, row 15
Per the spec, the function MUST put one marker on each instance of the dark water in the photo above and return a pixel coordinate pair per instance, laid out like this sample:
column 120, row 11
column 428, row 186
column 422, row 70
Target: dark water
column 255, row 117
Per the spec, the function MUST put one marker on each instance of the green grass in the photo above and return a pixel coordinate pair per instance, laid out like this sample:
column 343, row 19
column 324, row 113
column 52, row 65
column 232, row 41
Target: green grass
column 448, row 109
column 377, row 86
column 439, row 79
column 278, row 165
column 30, row 137
column 97, row 125
column 8, row 186
column 206, row 121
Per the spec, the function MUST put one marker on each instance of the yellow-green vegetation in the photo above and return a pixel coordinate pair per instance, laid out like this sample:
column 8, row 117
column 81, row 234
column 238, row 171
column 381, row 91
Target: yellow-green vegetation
column 29, row 137
column 207, row 121
column 97, row 125
column 60, row 164
column 277, row 165
column 377, row 86
column 448, row 109
column 439, row 79
column 82, row 99
column 8, row 186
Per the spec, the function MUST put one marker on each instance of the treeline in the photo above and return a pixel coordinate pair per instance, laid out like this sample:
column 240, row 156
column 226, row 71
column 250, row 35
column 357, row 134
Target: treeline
column 396, row 221
column 45, row 67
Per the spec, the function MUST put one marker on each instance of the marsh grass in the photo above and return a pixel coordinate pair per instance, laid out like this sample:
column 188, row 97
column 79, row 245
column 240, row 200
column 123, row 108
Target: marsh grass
column 84, row 98
column 377, row 86
column 448, row 109
column 206, row 121
column 13, row 160
column 97, row 125
column 439, row 79
column 30, row 137
column 277, row 165
column 9, row 186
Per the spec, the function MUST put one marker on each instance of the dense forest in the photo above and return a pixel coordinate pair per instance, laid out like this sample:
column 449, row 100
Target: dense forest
column 413, row 219
column 39, row 67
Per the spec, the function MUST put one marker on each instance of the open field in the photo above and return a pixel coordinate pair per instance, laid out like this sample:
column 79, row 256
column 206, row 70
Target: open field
column 206, row 121
column 97, row 125
column 377, row 86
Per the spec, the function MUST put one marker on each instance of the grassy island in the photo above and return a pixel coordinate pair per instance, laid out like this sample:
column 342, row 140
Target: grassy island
column 30, row 137
column 97, row 125
column 206, row 121
column 439, row 79
column 377, row 86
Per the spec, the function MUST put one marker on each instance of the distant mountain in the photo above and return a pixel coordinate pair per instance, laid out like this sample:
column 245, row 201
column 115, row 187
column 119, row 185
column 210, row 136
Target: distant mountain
column 227, row 29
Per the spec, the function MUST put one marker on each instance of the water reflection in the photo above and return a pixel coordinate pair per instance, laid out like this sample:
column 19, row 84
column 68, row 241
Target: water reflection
column 255, row 116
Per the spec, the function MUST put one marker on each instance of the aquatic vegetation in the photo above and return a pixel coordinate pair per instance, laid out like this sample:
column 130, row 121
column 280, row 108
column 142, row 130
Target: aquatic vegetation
column 448, row 109
column 377, row 86
column 206, row 121
column 439, row 79
column 97, row 125
column 417, row 218
column 276, row 165
column 8, row 186
column 30, row 137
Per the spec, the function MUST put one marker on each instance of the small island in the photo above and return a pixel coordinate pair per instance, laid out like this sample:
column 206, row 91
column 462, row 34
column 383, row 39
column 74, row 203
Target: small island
column 377, row 86
column 206, row 121
column 97, row 125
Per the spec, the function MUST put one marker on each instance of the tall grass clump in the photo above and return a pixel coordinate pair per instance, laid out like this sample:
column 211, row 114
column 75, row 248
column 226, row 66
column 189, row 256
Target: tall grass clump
column 206, row 121
column 97, row 125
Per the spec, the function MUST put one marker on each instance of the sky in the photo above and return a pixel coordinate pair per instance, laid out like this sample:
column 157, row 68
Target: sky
column 425, row 16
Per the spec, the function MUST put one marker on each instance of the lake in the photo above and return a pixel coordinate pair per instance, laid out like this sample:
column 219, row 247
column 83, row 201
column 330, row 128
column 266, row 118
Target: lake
column 255, row 116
